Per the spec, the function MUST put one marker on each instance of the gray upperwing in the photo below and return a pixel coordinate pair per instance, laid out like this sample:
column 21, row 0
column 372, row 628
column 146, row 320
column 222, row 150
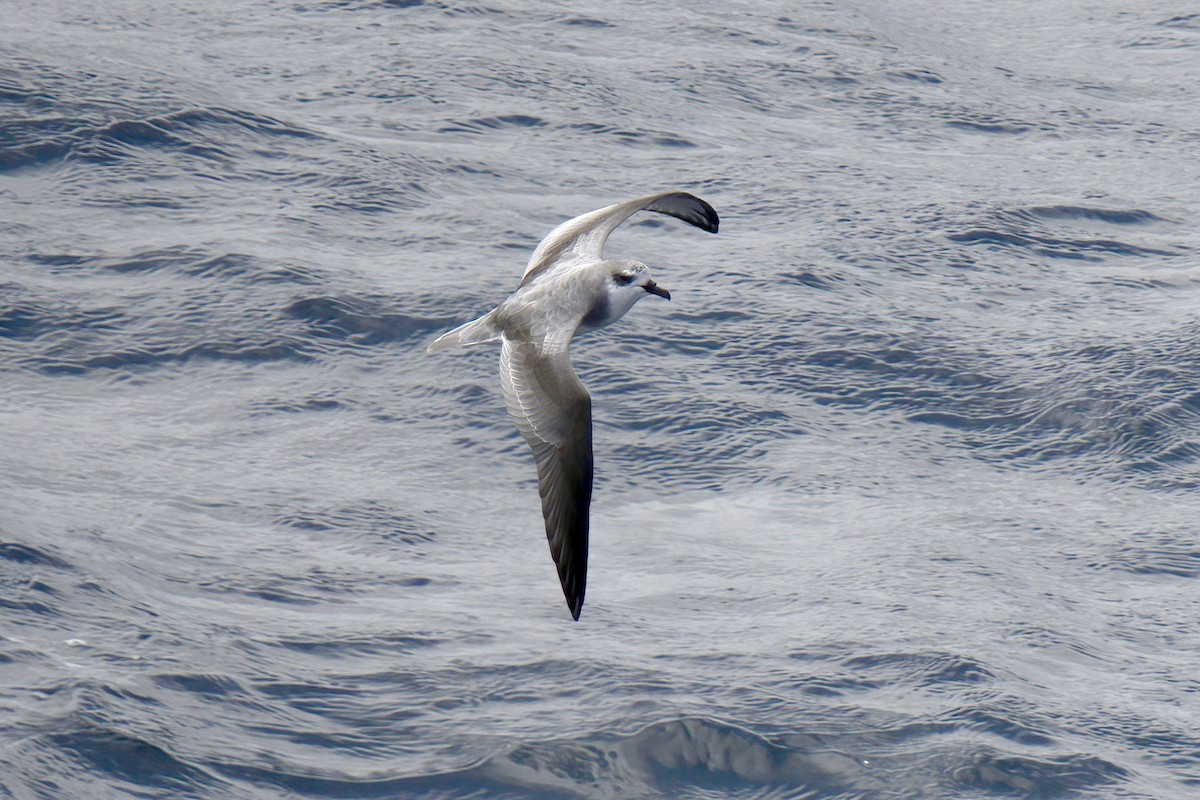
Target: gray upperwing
column 553, row 411
column 585, row 235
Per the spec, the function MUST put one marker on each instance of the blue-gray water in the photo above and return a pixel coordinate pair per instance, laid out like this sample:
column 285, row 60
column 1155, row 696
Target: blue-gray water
column 896, row 499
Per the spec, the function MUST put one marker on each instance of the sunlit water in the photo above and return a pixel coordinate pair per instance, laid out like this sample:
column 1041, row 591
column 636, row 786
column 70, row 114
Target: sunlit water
column 896, row 499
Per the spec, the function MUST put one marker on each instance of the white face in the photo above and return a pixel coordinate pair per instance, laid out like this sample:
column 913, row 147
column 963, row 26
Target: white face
column 632, row 280
column 625, row 285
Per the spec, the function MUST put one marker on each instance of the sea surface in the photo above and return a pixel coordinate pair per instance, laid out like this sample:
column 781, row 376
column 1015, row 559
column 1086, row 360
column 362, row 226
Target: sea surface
column 899, row 497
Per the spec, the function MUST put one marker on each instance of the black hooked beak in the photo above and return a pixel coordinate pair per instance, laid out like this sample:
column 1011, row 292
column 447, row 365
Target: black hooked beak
column 654, row 288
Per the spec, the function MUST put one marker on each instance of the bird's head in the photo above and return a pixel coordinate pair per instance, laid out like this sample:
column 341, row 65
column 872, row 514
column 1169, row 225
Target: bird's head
column 631, row 279
column 624, row 283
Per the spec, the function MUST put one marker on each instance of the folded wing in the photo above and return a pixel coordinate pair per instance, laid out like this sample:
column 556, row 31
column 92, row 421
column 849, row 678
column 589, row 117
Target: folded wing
column 553, row 411
column 585, row 235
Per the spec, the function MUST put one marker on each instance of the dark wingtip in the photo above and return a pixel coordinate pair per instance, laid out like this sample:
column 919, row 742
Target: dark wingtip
column 574, row 602
column 689, row 208
column 712, row 221
column 574, row 598
column 573, row 591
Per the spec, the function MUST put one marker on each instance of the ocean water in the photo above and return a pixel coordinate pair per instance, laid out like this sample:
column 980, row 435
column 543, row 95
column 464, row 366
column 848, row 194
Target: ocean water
column 898, row 498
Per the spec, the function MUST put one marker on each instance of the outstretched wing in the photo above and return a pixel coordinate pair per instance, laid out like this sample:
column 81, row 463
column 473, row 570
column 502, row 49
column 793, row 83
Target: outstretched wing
column 585, row 235
column 553, row 411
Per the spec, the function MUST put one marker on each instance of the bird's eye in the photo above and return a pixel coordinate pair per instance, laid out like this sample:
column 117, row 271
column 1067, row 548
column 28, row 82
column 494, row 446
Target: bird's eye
column 622, row 279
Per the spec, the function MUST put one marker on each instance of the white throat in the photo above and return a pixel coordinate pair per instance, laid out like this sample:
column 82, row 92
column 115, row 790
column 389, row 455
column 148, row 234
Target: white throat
column 621, row 299
column 616, row 302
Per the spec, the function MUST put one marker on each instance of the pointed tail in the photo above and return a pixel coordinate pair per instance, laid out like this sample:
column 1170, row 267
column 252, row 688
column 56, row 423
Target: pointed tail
column 477, row 331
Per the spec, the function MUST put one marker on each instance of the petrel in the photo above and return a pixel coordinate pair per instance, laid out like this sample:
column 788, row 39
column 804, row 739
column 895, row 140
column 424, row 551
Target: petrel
column 568, row 287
